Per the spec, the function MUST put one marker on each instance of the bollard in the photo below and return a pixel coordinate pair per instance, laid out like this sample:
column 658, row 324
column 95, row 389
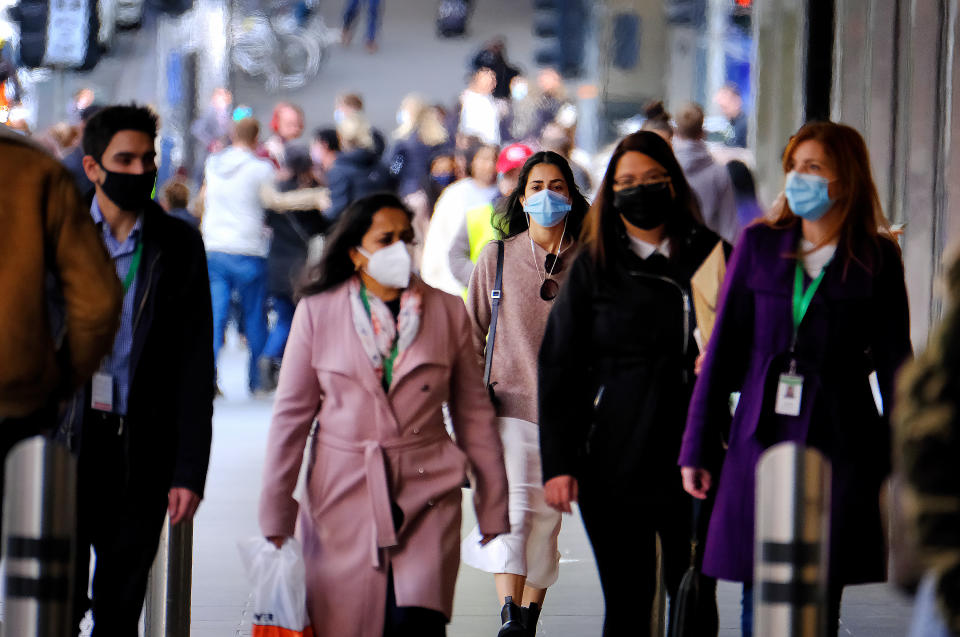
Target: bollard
column 39, row 539
column 791, row 551
column 169, row 590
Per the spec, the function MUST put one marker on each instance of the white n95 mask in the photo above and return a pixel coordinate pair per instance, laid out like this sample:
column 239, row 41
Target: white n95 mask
column 389, row 266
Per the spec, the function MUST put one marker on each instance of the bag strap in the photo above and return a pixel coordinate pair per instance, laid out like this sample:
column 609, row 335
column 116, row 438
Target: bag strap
column 301, row 232
column 694, row 528
column 495, row 295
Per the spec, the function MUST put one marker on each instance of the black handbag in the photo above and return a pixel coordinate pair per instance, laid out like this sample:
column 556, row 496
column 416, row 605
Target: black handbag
column 683, row 616
column 495, row 295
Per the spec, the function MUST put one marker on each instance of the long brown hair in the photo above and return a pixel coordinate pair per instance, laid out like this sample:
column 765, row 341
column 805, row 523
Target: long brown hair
column 861, row 215
column 602, row 227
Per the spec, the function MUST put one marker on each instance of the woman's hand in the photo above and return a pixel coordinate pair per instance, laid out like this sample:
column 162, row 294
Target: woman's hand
column 698, row 364
column 696, row 482
column 278, row 540
column 487, row 538
column 560, row 492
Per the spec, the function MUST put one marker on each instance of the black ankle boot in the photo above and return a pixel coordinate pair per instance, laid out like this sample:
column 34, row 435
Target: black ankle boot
column 511, row 617
column 530, row 618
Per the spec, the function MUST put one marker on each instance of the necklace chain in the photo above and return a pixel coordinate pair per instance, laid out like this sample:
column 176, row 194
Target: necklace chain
column 536, row 264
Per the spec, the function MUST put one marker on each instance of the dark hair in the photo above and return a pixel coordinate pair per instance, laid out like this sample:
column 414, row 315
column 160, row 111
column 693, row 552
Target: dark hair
column 297, row 159
column 328, row 137
column 176, row 193
column 603, row 228
column 471, row 153
column 743, row 185
column 335, row 266
column 657, row 118
column 510, row 219
column 101, row 128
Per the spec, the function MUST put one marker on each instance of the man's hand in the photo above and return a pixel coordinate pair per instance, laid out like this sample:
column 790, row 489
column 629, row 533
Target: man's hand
column 182, row 504
column 277, row 540
column 696, row 482
column 560, row 492
column 487, row 538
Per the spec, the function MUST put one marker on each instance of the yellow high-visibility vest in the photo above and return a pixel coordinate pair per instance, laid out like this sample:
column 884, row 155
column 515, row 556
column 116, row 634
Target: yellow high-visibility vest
column 480, row 229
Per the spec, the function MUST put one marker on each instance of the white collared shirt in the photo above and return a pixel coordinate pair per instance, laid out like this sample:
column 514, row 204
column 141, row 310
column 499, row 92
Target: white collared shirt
column 645, row 250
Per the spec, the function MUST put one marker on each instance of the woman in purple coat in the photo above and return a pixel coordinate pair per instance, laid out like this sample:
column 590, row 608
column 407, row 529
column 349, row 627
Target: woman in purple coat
column 816, row 293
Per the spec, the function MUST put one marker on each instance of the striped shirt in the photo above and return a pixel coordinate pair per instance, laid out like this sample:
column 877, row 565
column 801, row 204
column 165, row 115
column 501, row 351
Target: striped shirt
column 117, row 363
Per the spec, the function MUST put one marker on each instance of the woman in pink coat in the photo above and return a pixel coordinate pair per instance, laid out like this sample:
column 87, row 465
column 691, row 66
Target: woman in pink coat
column 372, row 356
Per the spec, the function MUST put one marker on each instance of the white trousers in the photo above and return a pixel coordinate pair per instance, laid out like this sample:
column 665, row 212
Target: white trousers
column 530, row 549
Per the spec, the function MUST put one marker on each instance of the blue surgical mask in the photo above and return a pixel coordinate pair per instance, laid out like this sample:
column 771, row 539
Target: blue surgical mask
column 807, row 195
column 444, row 179
column 547, row 208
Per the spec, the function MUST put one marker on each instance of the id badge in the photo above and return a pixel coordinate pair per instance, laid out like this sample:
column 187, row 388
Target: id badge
column 101, row 392
column 789, row 394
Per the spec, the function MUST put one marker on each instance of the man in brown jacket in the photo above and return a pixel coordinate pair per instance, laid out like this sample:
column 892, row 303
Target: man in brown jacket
column 48, row 345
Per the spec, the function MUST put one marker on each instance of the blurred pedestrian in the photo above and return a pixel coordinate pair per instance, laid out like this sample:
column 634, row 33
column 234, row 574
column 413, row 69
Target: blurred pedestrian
column 477, row 189
column 539, row 221
column 73, row 160
column 323, row 153
column 350, row 12
column 419, row 135
column 477, row 228
column 237, row 240
column 147, row 419
column 357, row 170
column 175, row 200
column 815, row 301
column 212, row 129
column 657, row 119
column 352, row 104
column 479, row 112
column 81, row 100
column 54, row 335
column 493, row 56
column 710, row 181
column 558, row 139
column 615, row 375
column 745, row 193
column 287, row 126
column 927, row 432
column 374, row 353
column 730, row 102
column 293, row 233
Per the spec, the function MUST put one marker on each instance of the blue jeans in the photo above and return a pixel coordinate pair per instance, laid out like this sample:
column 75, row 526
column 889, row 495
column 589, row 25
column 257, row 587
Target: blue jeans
column 248, row 276
column 373, row 16
column 927, row 619
column 277, row 340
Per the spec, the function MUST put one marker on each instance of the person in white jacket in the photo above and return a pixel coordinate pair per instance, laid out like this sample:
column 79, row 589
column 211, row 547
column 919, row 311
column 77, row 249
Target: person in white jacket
column 236, row 238
column 477, row 189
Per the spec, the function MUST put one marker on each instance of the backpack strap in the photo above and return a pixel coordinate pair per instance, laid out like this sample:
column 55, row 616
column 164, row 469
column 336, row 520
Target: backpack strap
column 495, row 295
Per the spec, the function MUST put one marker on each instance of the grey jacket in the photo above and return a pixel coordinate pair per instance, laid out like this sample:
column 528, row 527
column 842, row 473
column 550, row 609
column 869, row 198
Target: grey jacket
column 711, row 183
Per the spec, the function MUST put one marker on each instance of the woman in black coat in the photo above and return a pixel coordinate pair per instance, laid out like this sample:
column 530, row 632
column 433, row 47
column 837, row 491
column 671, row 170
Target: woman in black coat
column 615, row 378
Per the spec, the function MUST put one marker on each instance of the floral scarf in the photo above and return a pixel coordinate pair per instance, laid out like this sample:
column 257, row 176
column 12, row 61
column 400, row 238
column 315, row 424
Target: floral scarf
column 384, row 340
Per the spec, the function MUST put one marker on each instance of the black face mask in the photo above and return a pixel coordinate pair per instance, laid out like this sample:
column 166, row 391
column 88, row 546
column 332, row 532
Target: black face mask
column 645, row 206
column 130, row 192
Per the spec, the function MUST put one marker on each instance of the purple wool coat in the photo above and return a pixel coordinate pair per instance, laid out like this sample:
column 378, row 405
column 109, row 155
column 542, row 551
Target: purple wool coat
column 858, row 322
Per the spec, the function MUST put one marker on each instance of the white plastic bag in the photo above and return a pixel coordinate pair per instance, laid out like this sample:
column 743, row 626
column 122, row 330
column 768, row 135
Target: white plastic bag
column 279, row 587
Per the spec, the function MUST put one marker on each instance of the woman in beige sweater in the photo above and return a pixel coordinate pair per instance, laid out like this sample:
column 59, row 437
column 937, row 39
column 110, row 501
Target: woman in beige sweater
column 539, row 221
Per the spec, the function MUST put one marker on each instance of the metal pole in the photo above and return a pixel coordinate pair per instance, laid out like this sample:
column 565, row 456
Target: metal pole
column 169, row 591
column 792, row 542
column 39, row 539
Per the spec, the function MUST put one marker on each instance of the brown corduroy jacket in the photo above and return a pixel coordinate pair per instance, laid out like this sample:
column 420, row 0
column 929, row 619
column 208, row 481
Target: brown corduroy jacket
column 45, row 229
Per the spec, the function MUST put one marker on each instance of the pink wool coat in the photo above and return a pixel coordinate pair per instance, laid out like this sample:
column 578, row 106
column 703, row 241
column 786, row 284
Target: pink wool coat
column 372, row 448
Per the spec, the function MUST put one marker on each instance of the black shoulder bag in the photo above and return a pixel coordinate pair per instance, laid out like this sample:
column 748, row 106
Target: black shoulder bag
column 495, row 295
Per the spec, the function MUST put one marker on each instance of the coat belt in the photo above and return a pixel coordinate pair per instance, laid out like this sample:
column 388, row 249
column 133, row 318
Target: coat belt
column 378, row 487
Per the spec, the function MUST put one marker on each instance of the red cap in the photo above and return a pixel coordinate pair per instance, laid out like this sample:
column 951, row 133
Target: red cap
column 513, row 156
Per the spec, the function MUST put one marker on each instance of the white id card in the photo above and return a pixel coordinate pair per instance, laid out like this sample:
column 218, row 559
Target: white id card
column 789, row 393
column 101, row 394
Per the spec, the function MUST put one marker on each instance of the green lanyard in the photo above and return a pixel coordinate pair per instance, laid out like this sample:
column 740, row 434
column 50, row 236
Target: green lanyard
column 802, row 299
column 394, row 351
column 134, row 266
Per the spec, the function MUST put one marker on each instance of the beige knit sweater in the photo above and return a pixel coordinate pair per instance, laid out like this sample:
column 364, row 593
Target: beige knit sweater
column 522, row 321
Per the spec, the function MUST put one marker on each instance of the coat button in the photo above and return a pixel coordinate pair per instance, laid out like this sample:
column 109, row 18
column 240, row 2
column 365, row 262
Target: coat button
column 429, row 503
column 420, row 470
column 416, row 430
